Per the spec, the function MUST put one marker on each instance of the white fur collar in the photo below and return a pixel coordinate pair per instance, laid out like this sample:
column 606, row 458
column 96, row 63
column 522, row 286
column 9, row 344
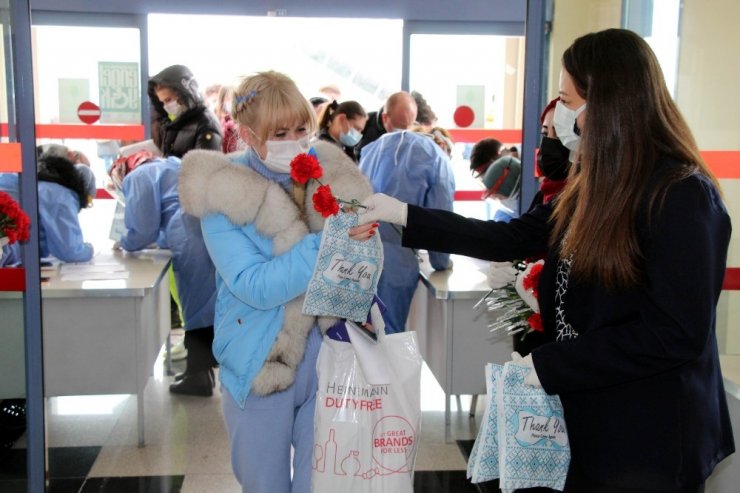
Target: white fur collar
column 211, row 183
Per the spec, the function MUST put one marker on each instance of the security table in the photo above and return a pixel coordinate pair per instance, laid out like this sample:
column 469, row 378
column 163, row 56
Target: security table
column 454, row 338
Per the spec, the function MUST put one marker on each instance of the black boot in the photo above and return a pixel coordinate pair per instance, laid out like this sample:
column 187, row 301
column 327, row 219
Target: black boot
column 198, row 378
column 195, row 383
column 180, row 376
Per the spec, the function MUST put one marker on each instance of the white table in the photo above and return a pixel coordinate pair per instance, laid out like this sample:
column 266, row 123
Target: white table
column 453, row 337
column 100, row 336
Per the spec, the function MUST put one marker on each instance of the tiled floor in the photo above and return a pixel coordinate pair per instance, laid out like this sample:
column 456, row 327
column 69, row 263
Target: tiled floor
column 93, row 444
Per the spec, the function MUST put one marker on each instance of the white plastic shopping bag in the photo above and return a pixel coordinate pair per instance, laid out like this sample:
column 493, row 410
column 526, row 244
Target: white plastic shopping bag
column 368, row 413
column 484, row 459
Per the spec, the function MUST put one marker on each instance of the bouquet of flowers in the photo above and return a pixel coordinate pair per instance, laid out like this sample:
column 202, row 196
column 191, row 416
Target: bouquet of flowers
column 514, row 306
column 306, row 167
column 14, row 223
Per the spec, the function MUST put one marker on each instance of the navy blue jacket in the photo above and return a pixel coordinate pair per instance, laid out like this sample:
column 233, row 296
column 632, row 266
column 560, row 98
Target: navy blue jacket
column 641, row 384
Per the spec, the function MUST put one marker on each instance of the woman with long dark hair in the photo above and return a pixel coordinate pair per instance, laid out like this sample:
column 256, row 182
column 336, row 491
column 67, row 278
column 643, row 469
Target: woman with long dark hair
column 636, row 253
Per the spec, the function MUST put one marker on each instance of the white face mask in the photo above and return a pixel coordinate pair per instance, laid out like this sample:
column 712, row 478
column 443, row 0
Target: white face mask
column 281, row 152
column 351, row 138
column 565, row 124
column 174, row 109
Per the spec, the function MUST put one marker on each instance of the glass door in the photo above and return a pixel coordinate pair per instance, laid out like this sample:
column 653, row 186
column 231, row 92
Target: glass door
column 473, row 79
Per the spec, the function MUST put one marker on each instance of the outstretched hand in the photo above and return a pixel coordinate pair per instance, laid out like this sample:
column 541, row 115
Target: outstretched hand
column 381, row 207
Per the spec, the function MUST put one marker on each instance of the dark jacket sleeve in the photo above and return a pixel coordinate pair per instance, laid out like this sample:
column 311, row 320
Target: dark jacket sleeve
column 685, row 251
column 445, row 231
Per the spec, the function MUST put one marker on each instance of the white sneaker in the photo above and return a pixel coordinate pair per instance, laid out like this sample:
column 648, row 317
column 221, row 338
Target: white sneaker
column 178, row 352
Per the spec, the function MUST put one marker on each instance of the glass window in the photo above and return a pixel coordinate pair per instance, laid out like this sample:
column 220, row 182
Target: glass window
column 362, row 57
column 77, row 64
column 474, row 84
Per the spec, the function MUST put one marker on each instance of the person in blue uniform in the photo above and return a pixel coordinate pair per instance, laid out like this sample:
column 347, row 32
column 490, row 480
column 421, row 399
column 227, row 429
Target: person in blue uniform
column 153, row 215
column 412, row 168
column 63, row 190
column 636, row 251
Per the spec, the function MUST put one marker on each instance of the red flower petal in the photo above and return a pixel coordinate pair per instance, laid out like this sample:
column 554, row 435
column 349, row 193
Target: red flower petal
column 304, row 167
column 324, row 201
column 14, row 223
column 535, row 321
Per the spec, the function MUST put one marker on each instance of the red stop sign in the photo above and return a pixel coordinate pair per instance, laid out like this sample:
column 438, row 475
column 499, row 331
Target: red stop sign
column 88, row 112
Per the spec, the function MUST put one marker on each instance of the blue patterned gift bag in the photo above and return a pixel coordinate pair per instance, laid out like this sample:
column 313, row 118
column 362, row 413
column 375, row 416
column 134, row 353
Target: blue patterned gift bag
column 346, row 275
column 484, row 459
column 533, row 449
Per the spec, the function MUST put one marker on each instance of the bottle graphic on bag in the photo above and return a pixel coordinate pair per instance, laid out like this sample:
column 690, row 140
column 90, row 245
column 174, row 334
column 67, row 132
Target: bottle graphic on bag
column 330, row 454
column 351, row 463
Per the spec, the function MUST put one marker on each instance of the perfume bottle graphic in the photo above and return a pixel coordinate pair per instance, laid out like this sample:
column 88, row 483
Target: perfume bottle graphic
column 330, row 454
column 351, row 463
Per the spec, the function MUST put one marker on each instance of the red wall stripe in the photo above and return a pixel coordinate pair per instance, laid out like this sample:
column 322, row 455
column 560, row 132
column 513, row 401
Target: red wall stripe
column 71, row 131
column 469, row 195
column 475, row 134
column 732, row 279
column 10, row 158
column 724, row 164
column 12, row 279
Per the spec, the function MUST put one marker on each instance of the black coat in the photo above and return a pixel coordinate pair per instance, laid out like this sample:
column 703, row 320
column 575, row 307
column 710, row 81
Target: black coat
column 641, row 385
column 373, row 130
column 195, row 128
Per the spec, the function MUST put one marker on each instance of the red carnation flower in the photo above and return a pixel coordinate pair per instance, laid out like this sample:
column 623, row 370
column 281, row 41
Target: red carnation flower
column 533, row 280
column 14, row 223
column 535, row 321
column 325, row 202
column 303, row 167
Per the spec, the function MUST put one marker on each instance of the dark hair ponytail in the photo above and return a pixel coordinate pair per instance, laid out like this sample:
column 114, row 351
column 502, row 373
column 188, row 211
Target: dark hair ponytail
column 351, row 109
column 327, row 114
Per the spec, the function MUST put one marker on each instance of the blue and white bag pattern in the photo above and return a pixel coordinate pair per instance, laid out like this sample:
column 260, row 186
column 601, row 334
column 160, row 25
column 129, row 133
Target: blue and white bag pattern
column 346, row 275
column 530, row 442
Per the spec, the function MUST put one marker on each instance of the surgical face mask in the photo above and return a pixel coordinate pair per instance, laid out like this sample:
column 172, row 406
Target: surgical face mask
column 511, row 202
column 565, row 125
column 552, row 159
column 351, row 138
column 281, row 152
column 173, row 109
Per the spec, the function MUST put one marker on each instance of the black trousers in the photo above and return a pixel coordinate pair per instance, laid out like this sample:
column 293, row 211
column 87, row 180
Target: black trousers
column 198, row 342
column 579, row 484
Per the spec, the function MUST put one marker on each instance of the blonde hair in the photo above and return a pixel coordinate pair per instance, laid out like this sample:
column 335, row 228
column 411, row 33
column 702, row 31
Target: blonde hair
column 226, row 93
column 266, row 101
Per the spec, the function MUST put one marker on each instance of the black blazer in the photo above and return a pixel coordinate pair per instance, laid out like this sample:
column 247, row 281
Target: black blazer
column 641, row 385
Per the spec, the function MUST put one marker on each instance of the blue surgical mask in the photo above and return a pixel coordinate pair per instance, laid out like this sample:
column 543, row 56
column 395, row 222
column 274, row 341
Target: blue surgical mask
column 351, row 138
column 565, row 124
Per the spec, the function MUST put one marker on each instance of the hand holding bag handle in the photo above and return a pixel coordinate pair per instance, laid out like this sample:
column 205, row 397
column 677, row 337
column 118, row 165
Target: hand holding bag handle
column 371, row 356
